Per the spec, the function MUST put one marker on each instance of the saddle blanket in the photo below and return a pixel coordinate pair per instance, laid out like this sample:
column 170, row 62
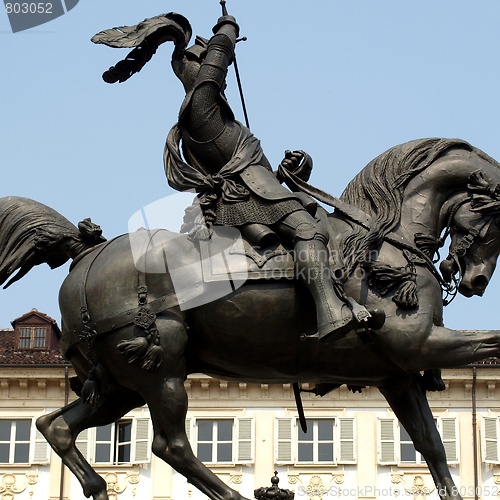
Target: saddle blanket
column 227, row 255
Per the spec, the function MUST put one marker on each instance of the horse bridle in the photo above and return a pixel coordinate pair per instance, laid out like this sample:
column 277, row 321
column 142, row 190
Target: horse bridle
column 451, row 268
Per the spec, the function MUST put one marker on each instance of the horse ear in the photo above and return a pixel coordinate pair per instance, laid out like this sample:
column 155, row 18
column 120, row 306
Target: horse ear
column 477, row 181
column 485, row 197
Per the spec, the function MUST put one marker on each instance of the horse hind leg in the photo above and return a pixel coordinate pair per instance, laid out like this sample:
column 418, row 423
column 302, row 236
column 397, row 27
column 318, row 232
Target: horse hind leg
column 409, row 402
column 167, row 400
column 168, row 407
column 61, row 428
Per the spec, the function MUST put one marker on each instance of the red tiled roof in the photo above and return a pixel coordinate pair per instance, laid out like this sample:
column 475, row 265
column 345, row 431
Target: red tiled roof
column 10, row 354
column 36, row 312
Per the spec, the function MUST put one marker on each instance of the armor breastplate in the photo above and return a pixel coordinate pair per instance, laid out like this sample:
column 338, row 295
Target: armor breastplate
column 211, row 156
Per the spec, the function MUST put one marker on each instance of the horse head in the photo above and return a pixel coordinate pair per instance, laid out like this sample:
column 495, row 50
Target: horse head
column 474, row 228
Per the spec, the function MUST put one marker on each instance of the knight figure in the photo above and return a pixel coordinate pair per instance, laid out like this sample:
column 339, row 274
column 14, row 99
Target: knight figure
column 209, row 151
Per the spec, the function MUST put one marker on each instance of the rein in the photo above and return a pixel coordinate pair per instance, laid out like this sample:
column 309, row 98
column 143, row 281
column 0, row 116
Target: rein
column 459, row 249
column 358, row 216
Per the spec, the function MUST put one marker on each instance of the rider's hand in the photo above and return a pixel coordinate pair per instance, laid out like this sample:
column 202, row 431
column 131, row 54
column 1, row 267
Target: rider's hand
column 298, row 163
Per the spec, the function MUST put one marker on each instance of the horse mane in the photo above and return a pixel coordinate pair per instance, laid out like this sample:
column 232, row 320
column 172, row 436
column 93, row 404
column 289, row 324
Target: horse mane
column 30, row 234
column 378, row 190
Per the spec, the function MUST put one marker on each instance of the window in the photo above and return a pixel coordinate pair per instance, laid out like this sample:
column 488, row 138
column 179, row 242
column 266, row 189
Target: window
column 20, row 443
column 113, row 443
column 127, row 441
column 222, row 441
column 15, row 441
column 396, row 447
column 215, row 441
column 408, row 453
column 327, row 441
column 31, row 337
column 316, row 445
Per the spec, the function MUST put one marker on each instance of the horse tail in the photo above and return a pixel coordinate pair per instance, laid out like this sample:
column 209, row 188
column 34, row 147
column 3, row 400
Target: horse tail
column 32, row 233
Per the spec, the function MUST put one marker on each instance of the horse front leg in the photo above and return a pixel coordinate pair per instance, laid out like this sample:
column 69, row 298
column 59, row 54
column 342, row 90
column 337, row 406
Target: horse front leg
column 446, row 348
column 409, row 402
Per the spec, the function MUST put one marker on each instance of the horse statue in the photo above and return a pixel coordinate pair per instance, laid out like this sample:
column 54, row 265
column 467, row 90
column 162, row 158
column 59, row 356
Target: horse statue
column 132, row 341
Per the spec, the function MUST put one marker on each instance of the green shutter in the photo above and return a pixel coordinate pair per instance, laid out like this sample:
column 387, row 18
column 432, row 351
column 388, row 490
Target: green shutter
column 490, row 440
column 387, row 441
column 245, row 440
column 284, row 440
column 347, row 451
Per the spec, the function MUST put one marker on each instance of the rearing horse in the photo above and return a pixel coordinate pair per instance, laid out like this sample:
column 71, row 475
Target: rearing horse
column 131, row 342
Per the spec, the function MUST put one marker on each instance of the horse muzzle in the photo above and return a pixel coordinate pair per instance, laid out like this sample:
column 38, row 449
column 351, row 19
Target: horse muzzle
column 476, row 285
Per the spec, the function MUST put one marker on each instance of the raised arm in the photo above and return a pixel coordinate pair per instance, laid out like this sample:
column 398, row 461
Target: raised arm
column 208, row 113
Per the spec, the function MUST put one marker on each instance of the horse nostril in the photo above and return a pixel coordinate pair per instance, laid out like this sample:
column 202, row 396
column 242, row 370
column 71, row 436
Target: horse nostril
column 480, row 282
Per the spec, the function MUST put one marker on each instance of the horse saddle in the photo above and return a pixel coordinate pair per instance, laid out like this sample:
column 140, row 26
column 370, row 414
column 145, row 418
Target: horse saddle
column 227, row 255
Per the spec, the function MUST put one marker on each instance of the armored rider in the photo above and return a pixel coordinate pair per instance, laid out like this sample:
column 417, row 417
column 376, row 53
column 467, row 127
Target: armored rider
column 225, row 164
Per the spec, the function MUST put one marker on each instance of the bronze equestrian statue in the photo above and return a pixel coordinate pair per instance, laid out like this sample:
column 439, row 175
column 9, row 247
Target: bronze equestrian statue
column 132, row 340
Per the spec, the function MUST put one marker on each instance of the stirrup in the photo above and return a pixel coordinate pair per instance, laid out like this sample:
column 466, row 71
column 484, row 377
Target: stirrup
column 359, row 312
column 372, row 319
column 335, row 333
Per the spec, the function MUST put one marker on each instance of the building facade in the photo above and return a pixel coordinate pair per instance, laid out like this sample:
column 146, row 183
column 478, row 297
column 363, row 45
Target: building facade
column 354, row 447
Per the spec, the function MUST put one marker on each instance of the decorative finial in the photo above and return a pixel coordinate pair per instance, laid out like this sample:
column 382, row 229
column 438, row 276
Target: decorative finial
column 274, row 492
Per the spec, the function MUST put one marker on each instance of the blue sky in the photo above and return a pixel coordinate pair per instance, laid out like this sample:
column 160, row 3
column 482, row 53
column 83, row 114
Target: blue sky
column 343, row 80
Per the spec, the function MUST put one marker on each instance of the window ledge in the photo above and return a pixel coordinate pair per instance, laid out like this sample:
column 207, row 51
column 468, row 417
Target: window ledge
column 318, row 465
column 407, row 466
column 21, row 466
column 121, row 466
column 220, row 466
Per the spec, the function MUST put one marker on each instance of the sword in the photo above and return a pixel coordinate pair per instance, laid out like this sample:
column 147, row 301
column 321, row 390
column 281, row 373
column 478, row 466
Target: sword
column 300, row 408
column 236, row 70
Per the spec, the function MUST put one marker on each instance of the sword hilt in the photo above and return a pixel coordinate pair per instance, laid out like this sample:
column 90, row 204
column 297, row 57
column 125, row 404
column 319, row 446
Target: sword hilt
column 224, row 9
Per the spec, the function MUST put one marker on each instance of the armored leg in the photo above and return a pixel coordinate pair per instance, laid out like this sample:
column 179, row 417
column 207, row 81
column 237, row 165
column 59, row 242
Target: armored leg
column 334, row 316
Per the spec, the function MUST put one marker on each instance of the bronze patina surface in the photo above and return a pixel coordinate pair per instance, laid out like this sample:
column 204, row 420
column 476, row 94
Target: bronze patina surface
column 140, row 312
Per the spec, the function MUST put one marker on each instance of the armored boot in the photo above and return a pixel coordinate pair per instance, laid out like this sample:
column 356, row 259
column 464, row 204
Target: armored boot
column 335, row 317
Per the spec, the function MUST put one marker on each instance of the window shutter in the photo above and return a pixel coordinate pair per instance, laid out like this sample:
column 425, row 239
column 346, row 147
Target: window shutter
column 40, row 448
column 187, row 424
column 245, row 440
column 82, row 443
column 141, row 446
column 449, row 437
column 347, row 451
column 490, row 440
column 284, row 441
column 387, row 442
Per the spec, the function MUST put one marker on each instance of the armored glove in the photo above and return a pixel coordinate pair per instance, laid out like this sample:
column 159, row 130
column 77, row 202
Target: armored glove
column 222, row 21
column 298, row 163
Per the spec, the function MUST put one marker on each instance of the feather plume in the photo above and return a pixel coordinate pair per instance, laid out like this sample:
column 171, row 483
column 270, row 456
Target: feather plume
column 145, row 37
column 177, row 29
